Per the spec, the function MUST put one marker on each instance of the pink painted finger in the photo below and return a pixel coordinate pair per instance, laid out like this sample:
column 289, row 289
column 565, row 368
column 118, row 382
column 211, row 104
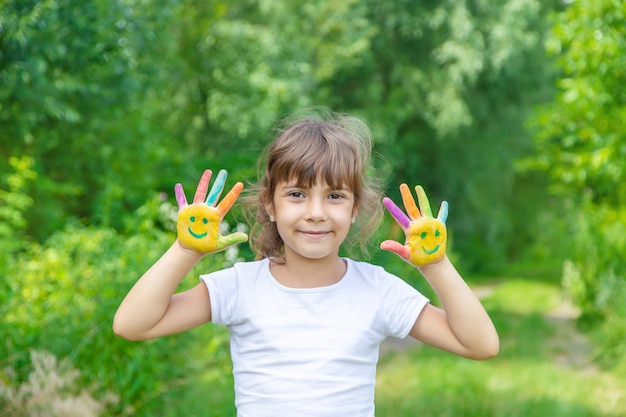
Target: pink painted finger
column 396, row 213
column 203, row 186
column 397, row 248
column 423, row 201
column 409, row 202
column 180, row 196
column 230, row 198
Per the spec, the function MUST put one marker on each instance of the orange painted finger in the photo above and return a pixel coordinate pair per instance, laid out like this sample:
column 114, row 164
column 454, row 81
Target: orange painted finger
column 409, row 202
column 203, row 186
column 230, row 198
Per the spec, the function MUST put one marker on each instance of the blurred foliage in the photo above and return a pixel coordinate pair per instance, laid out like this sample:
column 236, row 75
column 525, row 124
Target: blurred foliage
column 63, row 295
column 104, row 105
column 581, row 145
column 114, row 100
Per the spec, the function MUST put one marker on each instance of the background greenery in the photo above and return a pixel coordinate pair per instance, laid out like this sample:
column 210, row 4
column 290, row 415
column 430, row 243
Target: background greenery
column 512, row 111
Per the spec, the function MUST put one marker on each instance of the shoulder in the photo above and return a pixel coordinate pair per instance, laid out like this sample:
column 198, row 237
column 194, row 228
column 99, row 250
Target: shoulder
column 247, row 270
column 368, row 271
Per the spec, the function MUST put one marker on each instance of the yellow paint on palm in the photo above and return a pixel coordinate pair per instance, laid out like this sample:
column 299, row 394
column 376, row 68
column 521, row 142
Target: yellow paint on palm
column 426, row 239
column 198, row 228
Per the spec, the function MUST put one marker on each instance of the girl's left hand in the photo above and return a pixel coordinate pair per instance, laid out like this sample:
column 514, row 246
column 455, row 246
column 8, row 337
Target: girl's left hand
column 426, row 237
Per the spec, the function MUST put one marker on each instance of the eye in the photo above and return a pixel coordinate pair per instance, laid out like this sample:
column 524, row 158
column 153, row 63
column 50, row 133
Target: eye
column 437, row 233
column 423, row 235
column 192, row 219
column 205, row 220
column 336, row 196
column 296, row 194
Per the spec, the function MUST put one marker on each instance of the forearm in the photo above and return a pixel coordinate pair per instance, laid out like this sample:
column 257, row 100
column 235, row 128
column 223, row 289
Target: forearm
column 465, row 315
column 147, row 302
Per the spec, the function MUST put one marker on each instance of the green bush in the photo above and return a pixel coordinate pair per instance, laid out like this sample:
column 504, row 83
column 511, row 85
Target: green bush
column 61, row 297
column 593, row 276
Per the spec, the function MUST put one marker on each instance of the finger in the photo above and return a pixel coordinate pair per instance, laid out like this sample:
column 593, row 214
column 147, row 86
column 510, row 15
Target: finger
column 395, row 247
column 423, row 201
column 180, row 196
column 203, row 185
column 228, row 201
column 443, row 212
column 396, row 213
column 409, row 202
column 232, row 239
column 217, row 188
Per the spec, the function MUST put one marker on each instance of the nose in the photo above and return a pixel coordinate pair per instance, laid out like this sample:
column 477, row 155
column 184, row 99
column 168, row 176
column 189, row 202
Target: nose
column 316, row 210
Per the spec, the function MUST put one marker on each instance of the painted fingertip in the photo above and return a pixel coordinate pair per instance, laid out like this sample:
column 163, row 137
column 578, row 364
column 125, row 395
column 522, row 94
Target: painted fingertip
column 443, row 212
column 180, row 195
column 217, row 188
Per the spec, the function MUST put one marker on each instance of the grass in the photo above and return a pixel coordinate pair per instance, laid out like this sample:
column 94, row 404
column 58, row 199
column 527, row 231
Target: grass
column 534, row 374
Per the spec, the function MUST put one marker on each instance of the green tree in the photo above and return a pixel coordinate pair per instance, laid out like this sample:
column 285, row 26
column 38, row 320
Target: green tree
column 581, row 145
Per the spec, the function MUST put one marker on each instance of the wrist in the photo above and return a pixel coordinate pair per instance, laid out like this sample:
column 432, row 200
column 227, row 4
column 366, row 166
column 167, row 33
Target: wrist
column 188, row 253
column 424, row 269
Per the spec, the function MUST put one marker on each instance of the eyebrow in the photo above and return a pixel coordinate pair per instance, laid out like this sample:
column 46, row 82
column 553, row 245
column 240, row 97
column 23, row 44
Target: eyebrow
column 326, row 189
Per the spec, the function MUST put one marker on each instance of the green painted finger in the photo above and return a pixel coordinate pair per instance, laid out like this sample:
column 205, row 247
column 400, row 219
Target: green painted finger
column 423, row 201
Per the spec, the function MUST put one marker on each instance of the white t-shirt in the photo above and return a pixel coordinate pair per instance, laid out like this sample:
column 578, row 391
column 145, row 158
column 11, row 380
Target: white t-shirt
column 309, row 352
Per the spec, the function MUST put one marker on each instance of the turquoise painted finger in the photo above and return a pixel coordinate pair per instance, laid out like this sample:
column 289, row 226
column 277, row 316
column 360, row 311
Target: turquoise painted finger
column 423, row 202
column 218, row 187
column 443, row 212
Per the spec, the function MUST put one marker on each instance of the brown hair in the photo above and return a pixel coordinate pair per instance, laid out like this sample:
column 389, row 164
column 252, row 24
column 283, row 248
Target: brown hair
column 323, row 146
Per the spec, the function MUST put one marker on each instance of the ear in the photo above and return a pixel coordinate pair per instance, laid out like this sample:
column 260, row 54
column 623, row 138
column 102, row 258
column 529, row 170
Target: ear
column 269, row 208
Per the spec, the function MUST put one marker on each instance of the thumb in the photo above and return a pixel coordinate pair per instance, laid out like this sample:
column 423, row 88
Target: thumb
column 393, row 246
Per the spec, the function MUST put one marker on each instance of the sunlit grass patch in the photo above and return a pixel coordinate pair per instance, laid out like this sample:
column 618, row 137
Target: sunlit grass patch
column 525, row 379
column 439, row 384
column 522, row 296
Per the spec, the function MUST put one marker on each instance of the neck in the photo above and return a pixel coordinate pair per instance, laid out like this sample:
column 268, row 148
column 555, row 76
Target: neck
column 298, row 272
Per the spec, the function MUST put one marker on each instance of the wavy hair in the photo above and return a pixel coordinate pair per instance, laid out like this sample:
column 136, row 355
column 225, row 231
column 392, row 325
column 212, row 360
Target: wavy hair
column 320, row 146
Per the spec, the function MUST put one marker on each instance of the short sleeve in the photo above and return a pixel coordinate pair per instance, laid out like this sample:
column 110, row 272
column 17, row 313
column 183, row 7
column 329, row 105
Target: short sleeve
column 402, row 305
column 223, row 293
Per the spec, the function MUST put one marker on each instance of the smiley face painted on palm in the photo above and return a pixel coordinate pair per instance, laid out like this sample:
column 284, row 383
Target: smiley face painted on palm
column 426, row 239
column 198, row 223
column 426, row 236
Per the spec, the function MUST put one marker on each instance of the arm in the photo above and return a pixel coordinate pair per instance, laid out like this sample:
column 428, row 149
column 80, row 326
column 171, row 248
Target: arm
column 151, row 309
column 462, row 326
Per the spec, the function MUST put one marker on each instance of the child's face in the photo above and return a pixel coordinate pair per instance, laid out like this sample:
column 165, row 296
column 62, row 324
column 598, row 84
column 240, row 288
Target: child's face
column 312, row 221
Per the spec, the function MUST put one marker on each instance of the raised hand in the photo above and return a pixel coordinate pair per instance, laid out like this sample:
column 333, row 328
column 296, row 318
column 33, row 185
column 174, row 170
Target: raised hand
column 198, row 223
column 426, row 236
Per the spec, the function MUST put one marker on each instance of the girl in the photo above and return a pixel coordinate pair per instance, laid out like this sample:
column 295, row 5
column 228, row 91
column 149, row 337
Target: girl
column 305, row 323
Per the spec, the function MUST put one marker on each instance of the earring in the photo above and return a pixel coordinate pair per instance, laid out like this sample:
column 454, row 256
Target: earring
column 272, row 219
column 353, row 220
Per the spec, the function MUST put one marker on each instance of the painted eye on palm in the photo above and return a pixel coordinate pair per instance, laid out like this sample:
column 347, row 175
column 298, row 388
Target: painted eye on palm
column 426, row 237
column 198, row 223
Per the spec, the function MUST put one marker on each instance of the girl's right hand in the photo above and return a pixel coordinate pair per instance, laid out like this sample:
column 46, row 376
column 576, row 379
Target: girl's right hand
column 198, row 223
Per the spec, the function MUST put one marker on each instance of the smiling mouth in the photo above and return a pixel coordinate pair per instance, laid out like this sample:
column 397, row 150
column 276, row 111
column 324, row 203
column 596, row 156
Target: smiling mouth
column 314, row 234
column 430, row 252
column 196, row 235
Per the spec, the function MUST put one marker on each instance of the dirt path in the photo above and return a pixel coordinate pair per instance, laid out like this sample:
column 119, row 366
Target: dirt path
column 570, row 347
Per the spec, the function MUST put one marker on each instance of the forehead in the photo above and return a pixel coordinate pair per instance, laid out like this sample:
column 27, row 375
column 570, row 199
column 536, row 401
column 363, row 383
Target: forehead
column 318, row 184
